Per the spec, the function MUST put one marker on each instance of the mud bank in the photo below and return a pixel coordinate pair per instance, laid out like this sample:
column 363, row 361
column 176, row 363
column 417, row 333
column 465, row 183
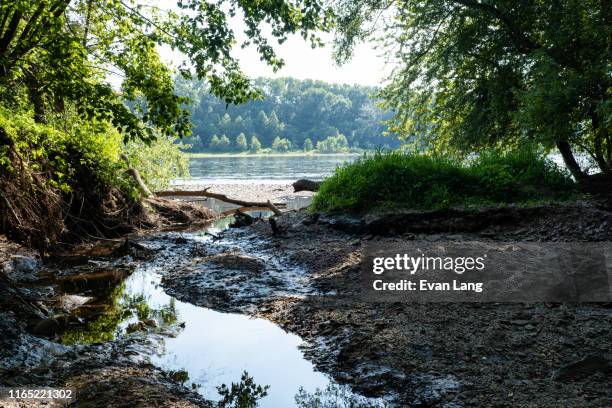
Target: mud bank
column 37, row 311
column 306, row 279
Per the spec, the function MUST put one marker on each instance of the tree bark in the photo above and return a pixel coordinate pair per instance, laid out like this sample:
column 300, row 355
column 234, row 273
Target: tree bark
column 136, row 176
column 36, row 98
column 600, row 137
column 570, row 161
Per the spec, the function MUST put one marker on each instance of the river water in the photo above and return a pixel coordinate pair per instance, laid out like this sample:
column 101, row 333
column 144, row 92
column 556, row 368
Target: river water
column 282, row 169
column 263, row 169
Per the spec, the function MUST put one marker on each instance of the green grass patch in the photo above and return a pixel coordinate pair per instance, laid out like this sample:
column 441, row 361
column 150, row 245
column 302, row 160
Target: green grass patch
column 398, row 180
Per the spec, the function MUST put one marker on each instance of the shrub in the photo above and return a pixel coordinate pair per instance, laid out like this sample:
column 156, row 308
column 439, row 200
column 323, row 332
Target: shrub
column 159, row 162
column 333, row 144
column 241, row 143
column 63, row 180
column 308, row 146
column 255, row 144
column 281, row 144
column 413, row 181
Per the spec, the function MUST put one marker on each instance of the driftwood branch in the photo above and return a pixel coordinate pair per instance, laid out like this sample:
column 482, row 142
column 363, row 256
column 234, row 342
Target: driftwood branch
column 136, row 176
column 222, row 197
column 244, row 209
column 306, row 185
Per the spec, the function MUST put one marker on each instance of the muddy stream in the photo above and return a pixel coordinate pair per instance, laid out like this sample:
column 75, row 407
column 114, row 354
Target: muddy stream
column 200, row 346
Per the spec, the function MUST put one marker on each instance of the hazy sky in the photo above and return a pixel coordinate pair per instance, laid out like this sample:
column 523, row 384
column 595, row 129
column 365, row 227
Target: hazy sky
column 301, row 61
column 367, row 67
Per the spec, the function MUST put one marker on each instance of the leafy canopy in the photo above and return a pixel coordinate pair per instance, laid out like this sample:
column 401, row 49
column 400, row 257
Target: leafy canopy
column 59, row 52
column 474, row 73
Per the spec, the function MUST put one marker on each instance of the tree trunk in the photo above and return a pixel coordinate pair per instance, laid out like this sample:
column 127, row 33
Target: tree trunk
column 36, row 98
column 600, row 138
column 570, row 161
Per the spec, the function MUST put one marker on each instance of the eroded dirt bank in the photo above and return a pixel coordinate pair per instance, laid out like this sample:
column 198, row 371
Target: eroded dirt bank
column 306, row 279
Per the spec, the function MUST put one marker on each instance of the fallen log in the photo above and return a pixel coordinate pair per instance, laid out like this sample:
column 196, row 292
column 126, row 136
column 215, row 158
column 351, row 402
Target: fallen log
column 306, row 185
column 222, row 197
column 244, row 209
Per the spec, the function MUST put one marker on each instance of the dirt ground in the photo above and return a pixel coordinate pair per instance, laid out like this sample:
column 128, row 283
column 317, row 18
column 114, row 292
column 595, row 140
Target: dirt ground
column 305, row 277
column 448, row 355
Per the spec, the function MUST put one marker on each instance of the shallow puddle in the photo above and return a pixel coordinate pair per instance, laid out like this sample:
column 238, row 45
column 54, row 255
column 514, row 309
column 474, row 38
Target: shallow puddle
column 215, row 348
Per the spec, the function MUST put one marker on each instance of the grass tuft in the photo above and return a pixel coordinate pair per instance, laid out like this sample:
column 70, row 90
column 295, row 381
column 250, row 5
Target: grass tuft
column 398, row 180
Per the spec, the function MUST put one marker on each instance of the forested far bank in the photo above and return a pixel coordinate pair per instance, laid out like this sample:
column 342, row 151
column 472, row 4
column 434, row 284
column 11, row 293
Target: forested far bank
column 290, row 115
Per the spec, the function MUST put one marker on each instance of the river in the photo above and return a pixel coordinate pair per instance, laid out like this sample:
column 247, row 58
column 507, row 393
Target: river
column 262, row 169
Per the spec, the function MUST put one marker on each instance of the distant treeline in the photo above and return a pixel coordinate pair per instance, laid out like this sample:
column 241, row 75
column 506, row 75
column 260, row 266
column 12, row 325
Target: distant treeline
column 293, row 115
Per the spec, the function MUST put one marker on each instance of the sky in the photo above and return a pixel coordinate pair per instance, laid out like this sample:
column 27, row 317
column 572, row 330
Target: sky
column 367, row 67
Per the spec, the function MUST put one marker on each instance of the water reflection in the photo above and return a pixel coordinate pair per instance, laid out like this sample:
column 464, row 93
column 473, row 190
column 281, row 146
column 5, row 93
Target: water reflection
column 335, row 396
column 205, row 348
column 209, row 348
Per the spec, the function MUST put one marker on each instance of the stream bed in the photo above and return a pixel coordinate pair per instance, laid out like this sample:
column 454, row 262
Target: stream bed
column 215, row 347
column 202, row 347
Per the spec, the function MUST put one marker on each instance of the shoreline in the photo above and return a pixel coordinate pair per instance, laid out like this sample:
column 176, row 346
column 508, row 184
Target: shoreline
column 251, row 191
column 246, row 154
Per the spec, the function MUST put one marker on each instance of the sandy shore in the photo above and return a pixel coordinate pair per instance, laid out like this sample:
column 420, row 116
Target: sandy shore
column 250, row 191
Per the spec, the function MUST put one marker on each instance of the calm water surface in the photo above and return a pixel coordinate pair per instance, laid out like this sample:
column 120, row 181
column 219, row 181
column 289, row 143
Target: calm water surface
column 263, row 168
column 215, row 348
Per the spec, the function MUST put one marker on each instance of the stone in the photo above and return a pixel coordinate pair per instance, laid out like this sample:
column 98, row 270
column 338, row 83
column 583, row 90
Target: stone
column 584, row 368
column 47, row 327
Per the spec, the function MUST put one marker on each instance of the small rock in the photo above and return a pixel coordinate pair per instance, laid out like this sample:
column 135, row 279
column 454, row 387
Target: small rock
column 21, row 268
column 583, row 368
column 134, row 327
column 47, row 327
column 151, row 323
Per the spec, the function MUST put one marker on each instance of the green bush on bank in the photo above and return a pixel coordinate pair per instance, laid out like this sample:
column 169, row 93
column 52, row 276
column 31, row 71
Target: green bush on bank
column 398, row 180
column 56, row 150
column 66, row 143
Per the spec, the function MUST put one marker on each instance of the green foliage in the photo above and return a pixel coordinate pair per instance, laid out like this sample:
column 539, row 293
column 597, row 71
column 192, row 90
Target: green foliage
column 255, row 145
column 66, row 144
column 281, row 144
column 335, row 396
column 308, row 146
column 292, row 109
column 56, row 53
column 333, row 144
column 244, row 394
column 220, row 144
column 477, row 73
column 158, row 162
column 241, row 143
column 412, row 181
